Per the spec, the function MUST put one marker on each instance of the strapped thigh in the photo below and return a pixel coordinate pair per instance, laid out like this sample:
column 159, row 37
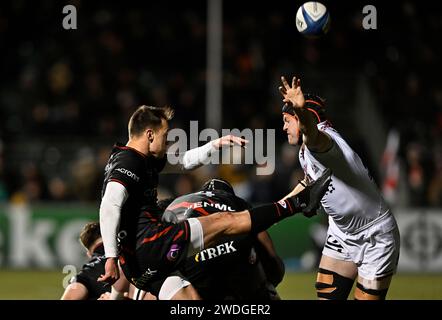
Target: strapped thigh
column 372, row 289
column 332, row 286
column 362, row 293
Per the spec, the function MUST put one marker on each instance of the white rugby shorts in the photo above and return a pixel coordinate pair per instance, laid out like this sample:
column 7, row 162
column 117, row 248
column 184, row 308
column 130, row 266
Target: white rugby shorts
column 375, row 249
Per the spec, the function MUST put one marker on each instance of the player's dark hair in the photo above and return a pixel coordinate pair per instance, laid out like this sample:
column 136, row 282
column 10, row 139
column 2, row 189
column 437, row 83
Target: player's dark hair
column 313, row 103
column 90, row 234
column 217, row 184
column 148, row 117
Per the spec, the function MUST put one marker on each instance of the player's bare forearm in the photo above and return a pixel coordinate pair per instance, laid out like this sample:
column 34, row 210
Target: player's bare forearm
column 195, row 158
column 299, row 187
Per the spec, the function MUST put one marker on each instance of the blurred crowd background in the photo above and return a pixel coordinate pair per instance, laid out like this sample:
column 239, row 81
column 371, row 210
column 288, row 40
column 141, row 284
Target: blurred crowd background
column 66, row 95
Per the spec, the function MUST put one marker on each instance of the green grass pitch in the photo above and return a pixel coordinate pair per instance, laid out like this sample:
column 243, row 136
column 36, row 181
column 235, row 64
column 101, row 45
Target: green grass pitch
column 295, row 286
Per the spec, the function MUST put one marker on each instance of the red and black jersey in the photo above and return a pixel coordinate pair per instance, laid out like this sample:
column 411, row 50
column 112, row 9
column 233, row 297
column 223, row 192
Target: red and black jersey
column 139, row 175
column 149, row 249
column 230, row 269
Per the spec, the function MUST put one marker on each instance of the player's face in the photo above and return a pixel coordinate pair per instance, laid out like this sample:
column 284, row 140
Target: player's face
column 159, row 143
column 291, row 127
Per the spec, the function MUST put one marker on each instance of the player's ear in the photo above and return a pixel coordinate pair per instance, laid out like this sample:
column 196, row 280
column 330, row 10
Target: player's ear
column 150, row 135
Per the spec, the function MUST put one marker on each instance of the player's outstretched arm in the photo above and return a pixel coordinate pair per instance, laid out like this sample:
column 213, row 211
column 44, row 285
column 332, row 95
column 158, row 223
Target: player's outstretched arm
column 300, row 187
column 195, row 158
column 297, row 189
column 314, row 139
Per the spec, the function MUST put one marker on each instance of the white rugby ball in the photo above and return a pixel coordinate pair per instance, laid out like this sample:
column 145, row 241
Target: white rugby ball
column 313, row 19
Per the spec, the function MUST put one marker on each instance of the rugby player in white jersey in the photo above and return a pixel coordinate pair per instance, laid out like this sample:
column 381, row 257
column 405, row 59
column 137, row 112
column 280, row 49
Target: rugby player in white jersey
column 363, row 238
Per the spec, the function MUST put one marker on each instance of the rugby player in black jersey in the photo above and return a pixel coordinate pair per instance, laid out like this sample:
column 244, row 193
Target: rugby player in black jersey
column 240, row 267
column 149, row 249
column 84, row 284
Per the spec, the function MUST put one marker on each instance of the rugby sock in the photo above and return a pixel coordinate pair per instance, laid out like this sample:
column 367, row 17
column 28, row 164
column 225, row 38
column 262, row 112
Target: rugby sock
column 263, row 217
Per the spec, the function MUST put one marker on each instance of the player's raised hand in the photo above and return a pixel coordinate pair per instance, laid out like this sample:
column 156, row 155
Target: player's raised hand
column 292, row 94
column 112, row 273
column 229, row 140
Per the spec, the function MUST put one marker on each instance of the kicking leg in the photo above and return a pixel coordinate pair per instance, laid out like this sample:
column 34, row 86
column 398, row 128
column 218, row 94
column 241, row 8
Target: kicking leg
column 258, row 219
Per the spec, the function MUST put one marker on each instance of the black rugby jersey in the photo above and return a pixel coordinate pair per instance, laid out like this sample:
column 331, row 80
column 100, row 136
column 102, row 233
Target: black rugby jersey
column 229, row 269
column 90, row 272
column 139, row 175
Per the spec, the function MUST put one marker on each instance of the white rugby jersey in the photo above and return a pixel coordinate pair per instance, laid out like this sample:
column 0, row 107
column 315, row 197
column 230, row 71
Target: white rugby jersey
column 353, row 199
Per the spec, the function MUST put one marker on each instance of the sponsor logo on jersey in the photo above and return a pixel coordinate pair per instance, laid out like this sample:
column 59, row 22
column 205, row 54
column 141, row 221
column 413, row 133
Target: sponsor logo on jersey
column 173, row 253
column 283, row 204
column 219, row 250
column 128, row 173
column 205, row 204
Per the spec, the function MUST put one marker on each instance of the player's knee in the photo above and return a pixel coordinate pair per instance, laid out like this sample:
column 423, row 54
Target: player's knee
column 172, row 288
column 332, row 286
column 363, row 293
